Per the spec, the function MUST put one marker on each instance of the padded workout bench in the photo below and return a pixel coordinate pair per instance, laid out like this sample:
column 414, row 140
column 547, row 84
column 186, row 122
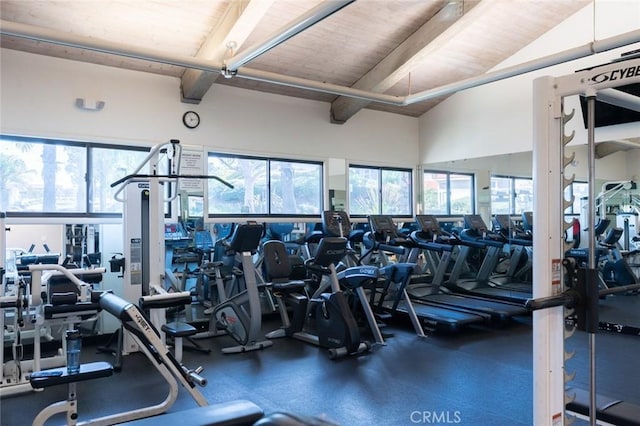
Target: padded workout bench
column 610, row 410
column 59, row 376
column 240, row 412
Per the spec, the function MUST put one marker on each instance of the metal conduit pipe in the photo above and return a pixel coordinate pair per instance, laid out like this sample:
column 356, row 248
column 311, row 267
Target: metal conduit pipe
column 47, row 35
column 536, row 64
column 56, row 37
column 619, row 98
column 319, row 86
column 296, row 26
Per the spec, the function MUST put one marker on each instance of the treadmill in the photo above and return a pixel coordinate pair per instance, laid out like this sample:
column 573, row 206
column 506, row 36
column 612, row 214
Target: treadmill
column 477, row 236
column 437, row 311
column 519, row 243
column 431, row 238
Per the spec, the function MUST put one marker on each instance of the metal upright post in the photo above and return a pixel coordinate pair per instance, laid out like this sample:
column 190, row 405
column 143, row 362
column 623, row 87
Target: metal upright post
column 548, row 336
column 591, row 217
column 3, row 270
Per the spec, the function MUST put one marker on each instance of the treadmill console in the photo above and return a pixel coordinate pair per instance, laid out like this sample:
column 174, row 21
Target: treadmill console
column 383, row 225
column 475, row 223
column 502, row 221
column 428, row 223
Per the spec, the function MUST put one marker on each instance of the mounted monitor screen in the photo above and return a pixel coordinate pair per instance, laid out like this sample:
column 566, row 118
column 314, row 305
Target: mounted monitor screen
column 607, row 114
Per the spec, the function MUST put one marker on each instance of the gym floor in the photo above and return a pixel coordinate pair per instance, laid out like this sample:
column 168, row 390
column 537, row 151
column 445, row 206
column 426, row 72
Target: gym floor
column 481, row 376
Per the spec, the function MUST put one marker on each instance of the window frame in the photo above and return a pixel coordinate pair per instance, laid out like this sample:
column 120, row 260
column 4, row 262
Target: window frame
column 268, row 202
column 380, row 190
column 448, row 175
column 512, row 193
column 88, row 176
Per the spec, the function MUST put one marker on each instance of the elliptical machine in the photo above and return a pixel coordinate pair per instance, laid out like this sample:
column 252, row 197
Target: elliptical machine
column 334, row 326
column 240, row 315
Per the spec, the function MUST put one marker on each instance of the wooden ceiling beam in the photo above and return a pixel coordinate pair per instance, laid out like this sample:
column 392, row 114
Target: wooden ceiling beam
column 433, row 35
column 611, row 147
column 239, row 20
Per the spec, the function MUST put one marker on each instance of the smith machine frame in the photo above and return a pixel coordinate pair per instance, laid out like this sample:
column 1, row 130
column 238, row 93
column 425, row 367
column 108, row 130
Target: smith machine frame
column 553, row 299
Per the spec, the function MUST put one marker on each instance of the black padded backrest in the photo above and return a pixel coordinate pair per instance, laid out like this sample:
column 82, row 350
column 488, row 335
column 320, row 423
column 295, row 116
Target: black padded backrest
column 601, row 226
column 61, row 284
column 613, row 236
column 276, row 260
column 246, row 237
column 330, row 250
column 334, row 221
column 279, row 231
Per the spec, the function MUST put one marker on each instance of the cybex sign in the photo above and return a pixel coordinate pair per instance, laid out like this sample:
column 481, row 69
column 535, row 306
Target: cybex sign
column 618, row 74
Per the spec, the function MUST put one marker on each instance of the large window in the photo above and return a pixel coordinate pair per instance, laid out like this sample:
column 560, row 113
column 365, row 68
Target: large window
column 375, row 190
column 107, row 166
column 511, row 195
column 445, row 193
column 263, row 186
column 39, row 176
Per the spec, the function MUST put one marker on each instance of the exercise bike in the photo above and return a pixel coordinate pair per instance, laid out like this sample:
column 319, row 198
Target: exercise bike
column 334, row 326
column 240, row 316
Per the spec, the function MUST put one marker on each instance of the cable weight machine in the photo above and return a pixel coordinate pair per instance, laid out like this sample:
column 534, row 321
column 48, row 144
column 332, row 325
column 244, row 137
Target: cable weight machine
column 144, row 197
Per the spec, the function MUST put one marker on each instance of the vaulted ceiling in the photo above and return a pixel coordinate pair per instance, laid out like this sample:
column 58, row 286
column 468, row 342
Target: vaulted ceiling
column 389, row 47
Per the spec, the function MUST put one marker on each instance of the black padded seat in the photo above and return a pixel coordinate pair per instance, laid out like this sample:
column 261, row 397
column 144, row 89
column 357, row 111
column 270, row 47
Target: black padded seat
column 240, row 412
column 610, row 410
column 179, row 329
column 60, row 376
column 288, row 419
column 288, row 286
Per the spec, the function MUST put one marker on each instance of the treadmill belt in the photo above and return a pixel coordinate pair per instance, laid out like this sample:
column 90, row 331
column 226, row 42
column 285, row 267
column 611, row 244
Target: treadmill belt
column 439, row 318
column 501, row 294
column 498, row 311
column 515, row 286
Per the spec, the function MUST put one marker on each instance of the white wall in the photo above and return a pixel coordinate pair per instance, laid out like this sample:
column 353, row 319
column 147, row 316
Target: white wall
column 519, row 164
column 38, row 99
column 497, row 118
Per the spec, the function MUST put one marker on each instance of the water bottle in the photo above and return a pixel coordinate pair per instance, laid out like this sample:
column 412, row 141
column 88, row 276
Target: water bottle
column 74, row 344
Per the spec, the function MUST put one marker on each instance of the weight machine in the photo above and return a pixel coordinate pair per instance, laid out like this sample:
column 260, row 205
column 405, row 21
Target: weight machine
column 549, row 162
column 67, row 309
column 144, row 197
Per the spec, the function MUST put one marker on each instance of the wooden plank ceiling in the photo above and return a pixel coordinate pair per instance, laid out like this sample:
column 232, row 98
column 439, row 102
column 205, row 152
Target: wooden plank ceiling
column 396, row 47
